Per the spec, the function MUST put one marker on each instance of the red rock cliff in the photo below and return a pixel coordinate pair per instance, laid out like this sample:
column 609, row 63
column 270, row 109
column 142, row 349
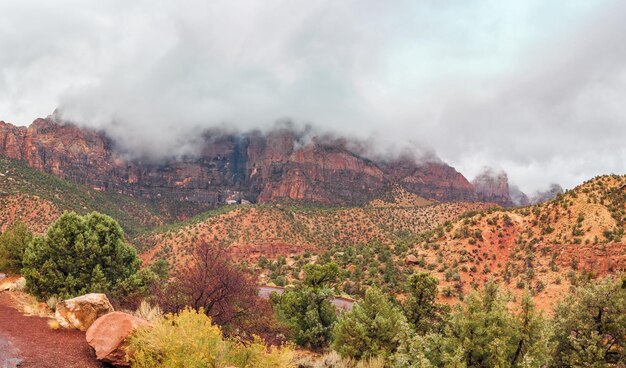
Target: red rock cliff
column 251, row 166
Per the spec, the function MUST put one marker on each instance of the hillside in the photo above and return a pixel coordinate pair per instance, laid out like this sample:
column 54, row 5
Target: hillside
column 543, row 246
column 546, row 247
column 281, row 229
column 38, row 199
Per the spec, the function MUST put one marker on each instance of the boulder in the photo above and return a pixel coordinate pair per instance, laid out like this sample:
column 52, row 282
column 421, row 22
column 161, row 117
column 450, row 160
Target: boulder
column 82, row 311
column 411, row 259
column 108, row 337
column 15, row 285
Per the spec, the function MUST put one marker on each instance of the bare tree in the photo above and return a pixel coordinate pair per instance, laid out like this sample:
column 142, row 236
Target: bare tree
column 213, row 282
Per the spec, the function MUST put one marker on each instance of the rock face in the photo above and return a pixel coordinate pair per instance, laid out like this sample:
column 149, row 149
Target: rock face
column 81, row 312
column 108, row 336
column 544, row 196
column 249, row 166
column 518, row 197
column 493, row 187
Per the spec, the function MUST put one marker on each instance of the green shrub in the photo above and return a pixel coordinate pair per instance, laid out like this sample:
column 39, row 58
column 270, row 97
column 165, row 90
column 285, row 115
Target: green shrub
column 590, row 326
column 306, row 309
column 308, row 312
column 78, row 255
column 373, row 328
column 190, row 339
column 13, row 243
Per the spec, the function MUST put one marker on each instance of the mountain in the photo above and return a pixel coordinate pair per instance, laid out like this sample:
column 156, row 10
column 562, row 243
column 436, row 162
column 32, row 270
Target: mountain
column 253, row 166
column 275, row 229
column 549, row 194
column 493, row 187
column 546, row 247
column 518, row 197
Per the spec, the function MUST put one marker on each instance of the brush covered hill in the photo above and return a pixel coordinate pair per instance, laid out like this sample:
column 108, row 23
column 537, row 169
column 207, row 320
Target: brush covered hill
column 544, row 247
column 283, row 228
column 37, row 199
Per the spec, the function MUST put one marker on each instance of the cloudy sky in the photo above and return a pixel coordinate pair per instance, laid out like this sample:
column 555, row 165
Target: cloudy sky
column 534, row 87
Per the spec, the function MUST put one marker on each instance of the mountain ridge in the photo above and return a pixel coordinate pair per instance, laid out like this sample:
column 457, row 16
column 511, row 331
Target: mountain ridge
column 253, row 166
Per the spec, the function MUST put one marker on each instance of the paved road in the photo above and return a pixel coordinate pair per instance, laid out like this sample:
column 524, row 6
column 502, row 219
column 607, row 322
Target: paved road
column 338, row 302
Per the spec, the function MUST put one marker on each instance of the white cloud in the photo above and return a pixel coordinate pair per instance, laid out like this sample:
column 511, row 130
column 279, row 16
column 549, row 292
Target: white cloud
column 534, row 87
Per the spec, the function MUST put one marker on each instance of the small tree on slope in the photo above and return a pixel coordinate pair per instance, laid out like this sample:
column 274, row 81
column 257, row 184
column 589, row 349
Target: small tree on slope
column 78, row 255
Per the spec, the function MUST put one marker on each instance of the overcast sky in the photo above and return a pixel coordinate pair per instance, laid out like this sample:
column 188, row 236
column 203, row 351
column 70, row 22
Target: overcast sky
column 534, row 87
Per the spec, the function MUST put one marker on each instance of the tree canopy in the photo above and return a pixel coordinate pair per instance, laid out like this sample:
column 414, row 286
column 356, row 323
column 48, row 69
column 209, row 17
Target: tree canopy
column 374, row 327
column 78, row 255
column 307, row 308
column 13, row 243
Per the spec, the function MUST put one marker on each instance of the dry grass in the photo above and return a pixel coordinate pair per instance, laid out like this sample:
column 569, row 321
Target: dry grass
column 148, row 311
column 333, row 360
column 52, row 302
column 53, row 324
column 29, row 305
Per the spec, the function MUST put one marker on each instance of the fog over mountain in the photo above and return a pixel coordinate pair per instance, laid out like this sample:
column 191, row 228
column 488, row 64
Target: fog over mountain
column 535, row 88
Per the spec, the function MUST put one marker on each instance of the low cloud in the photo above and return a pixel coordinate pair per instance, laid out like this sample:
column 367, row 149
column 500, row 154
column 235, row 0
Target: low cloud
column 535, row 88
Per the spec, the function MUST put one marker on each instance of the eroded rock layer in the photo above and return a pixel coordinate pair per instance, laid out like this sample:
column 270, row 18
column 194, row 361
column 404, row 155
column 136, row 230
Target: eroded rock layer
column 253, row 167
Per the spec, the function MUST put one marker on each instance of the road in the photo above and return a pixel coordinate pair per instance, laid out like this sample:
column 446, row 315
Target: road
column 338, row 302
column 36, row 345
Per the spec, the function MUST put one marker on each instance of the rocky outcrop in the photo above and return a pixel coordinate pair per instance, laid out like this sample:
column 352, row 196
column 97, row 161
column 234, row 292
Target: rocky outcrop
column 253, row 166
column 430, row 179
column 549, row 194
column 108, row 337
column 81, row 312
column 493, row 187
column 518, row 197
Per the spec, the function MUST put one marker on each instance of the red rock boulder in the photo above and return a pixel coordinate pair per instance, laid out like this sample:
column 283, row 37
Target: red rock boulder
column 411, row 260
column 82, row 311
column 108, row 337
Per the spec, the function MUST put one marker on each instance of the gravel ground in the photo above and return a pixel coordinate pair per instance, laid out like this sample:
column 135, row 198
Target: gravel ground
column 31, row 343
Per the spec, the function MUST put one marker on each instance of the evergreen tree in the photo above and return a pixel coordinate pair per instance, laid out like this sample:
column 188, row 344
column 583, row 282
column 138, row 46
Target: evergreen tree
column 534, row 345
column 484, row 329
column 590, row 326
column 421, row 308
column 483, row 332
column 321, row 275
column 307, row 308
column 374, row 327
column 78, row 255
column 13, row 243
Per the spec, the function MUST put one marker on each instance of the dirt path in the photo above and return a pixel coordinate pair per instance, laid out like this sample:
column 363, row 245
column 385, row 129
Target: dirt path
column 31, row 340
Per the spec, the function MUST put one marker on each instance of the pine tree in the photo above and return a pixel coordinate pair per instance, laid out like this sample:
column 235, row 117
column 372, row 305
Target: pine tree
column 13, row 243
column 534, row 346
column 421, row 308
column 78, row 255
column 484, row 329
column 307, row 308
column 590, row 326
column 374, row 327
